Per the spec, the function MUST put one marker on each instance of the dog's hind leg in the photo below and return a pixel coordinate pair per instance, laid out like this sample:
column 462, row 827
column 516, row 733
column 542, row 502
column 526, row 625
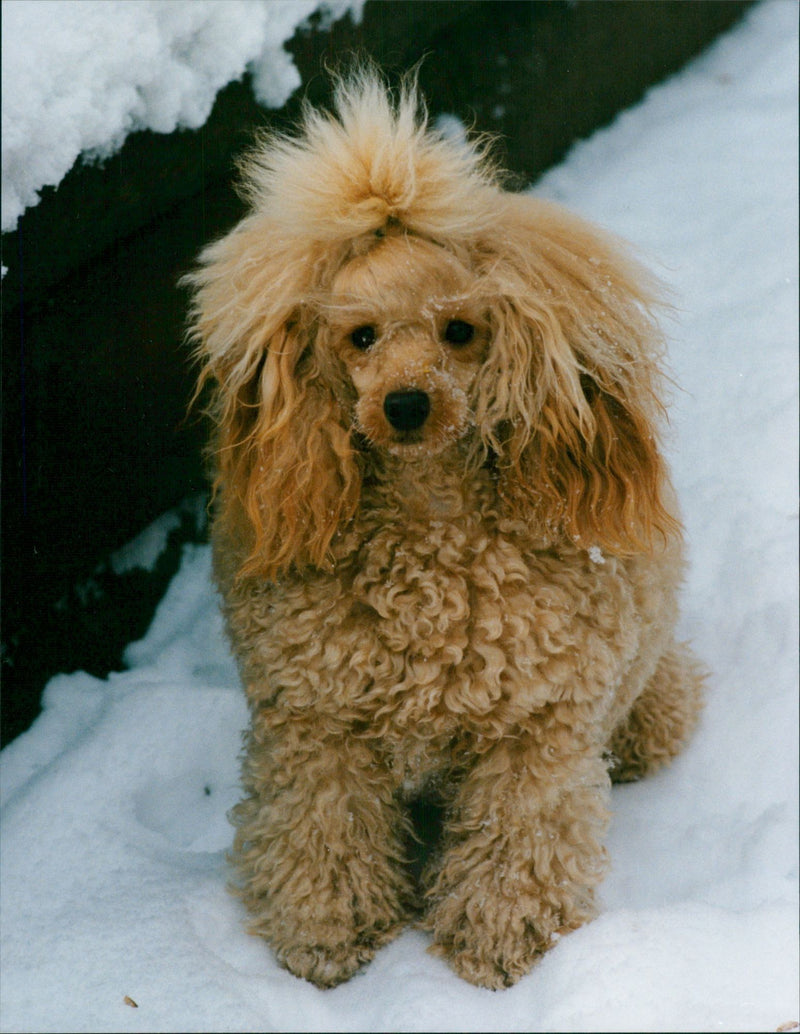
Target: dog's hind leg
column 661, row 719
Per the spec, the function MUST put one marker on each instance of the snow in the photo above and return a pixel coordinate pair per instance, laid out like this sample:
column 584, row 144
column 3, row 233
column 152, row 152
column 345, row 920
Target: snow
column 113, row 828
column 83, row 75
column 143, row 552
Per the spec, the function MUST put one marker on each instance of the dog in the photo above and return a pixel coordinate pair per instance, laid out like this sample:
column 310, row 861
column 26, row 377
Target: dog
column 444, row 537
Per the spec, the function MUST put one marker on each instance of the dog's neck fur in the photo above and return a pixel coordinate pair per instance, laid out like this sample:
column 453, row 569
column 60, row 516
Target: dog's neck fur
column 452, row 487
column 425, row 487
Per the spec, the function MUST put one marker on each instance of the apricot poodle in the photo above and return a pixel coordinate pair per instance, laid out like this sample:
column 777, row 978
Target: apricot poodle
column 444, row 536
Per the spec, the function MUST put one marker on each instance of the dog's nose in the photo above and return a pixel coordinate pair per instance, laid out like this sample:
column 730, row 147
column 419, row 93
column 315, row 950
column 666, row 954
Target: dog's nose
column 407, row 410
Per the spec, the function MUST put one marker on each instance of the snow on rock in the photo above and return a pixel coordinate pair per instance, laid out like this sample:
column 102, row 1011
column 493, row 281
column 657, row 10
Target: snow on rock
column 144, row 551
column 113, row 831
column 78, row 75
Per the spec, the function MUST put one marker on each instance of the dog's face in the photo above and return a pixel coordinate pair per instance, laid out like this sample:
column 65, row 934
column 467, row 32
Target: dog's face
column 408, row 325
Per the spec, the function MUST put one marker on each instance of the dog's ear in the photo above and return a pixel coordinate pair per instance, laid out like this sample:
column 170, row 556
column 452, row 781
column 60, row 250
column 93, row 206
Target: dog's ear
column 286, row 472
column 569, row 399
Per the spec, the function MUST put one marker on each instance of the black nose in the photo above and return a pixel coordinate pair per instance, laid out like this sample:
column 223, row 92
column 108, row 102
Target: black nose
column 407, row 410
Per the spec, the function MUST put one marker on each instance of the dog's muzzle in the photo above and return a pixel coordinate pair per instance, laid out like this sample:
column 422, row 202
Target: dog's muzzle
column 407, row 410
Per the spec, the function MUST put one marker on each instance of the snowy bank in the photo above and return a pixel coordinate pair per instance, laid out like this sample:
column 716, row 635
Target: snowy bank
column 113, row 828
column 82, row 75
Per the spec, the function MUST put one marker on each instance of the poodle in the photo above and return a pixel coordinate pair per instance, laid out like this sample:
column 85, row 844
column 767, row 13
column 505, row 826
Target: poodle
column 444, row 537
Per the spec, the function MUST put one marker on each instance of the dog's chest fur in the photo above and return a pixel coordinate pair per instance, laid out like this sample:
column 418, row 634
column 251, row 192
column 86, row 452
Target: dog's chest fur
column 444, row 624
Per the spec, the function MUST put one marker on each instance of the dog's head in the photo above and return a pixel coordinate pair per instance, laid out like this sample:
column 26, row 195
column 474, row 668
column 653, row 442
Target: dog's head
column 384, row 294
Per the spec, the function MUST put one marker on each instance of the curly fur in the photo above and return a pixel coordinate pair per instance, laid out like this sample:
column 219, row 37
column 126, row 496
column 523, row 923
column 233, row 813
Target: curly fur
column 472, row 603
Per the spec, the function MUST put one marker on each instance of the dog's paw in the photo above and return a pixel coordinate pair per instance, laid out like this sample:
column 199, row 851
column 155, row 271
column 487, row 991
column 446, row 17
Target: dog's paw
column 495, row 958
column 325, row 965
column 492, row 928
column 328, row 954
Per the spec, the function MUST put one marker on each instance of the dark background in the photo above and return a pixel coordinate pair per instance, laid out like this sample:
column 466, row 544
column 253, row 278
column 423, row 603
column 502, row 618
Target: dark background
column 96, row 378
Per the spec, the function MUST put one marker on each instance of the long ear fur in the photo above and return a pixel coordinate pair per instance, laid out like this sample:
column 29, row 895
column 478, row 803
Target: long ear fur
column 569, row 401
column 286, row 472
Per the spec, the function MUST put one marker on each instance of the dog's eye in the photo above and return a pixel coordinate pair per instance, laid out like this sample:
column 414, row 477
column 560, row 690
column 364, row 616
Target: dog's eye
column 458, row 332
column 363, row 337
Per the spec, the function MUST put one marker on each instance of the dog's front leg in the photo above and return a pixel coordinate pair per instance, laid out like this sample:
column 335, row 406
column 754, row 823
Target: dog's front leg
column 319, row 850
column 523, row 853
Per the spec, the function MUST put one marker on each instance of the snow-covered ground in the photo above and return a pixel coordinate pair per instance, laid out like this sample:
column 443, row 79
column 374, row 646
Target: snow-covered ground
column 113, row 825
